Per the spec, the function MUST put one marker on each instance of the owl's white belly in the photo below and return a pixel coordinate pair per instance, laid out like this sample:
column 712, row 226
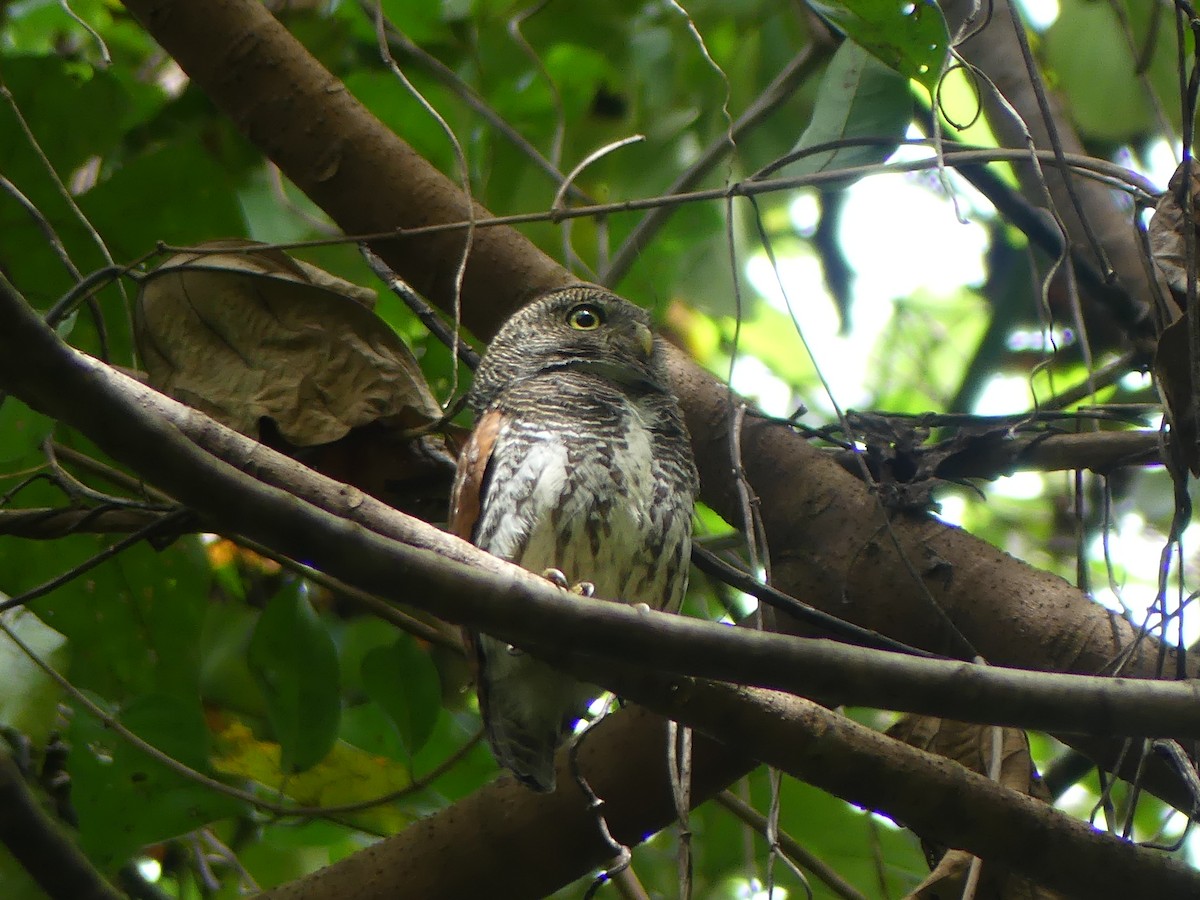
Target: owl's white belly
column 587, row 515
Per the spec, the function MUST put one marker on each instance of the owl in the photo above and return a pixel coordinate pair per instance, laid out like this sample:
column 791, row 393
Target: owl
column 580, row 468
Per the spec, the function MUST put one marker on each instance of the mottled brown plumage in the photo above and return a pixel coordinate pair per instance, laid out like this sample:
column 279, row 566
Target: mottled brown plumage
column 580, row 462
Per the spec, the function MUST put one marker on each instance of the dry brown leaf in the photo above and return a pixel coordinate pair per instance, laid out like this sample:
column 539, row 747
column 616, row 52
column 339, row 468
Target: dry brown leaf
column 947, row 880
column 1172, row 369
column 972, row 747
column 1167, row 231
column 253, row 334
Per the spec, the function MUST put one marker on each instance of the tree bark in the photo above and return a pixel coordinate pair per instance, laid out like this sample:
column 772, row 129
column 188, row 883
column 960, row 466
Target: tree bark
column 1125, row 311
column 832, row 543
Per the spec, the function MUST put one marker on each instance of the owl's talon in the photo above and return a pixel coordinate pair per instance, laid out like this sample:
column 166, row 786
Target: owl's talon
column 642, row 607
column 557, row 578
column 584, row 589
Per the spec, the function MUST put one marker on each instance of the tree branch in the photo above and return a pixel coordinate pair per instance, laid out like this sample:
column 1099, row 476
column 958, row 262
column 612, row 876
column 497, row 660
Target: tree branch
column 939, row 799
column 365, row 543
column 996, row 52
column 40, row 845
column 935, row 796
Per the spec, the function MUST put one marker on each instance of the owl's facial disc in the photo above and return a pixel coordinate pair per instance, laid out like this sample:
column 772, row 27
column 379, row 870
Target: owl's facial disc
column 577, row 329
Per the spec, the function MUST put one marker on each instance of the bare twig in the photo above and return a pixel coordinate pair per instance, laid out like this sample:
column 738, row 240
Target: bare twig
column 162, row 524
column 778, row 91
column 791, row 847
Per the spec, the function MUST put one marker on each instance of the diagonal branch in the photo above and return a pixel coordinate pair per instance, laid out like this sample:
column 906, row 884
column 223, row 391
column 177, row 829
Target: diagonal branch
column 833, row 545
column 936, row 796
column 365, row 543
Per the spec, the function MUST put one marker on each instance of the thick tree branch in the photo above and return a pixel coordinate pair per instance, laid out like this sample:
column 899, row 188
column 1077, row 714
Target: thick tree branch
column 355, row 538
column 831, row 542
column 941, row 800
column 935, row 796
column 997, row 53
column 504, row 841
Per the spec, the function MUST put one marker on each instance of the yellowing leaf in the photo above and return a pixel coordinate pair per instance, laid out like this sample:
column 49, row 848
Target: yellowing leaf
column 346, row 775
column 973, row 746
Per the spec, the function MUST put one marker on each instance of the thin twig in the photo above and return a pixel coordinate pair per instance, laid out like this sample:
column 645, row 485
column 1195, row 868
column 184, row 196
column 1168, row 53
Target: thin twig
column 432, row 630
column 711, row 564
column 65, row 193
column 464, row 173
column 422, row 310
column 402, row 44
column 774, row 95
column 1109, row 174
column 162, row 524
column 789, row 846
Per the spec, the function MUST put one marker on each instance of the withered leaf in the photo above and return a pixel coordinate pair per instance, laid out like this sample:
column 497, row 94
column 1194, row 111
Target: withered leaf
column 972, row 746
column 251, row 334
column 1168, row 230
column 1173, row 370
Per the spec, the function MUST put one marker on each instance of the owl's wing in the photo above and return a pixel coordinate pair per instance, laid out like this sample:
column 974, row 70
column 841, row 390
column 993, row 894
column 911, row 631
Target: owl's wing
column 466, row 500
column 522, row 701
column 466, row 504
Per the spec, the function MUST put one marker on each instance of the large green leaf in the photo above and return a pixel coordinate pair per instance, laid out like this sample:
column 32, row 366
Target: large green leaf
column 859, row 97
column 123, row 798
column 29, row 697
column 1087, row 49
column 21, row 429
column 403, row 680
column 909, row 35
column 132, row 621
column 295, row 661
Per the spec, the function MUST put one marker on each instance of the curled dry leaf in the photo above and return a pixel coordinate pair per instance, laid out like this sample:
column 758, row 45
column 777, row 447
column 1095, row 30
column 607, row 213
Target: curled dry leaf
column 1168, row 231
column 1174, row 366
column 1173, row 370
column 289, row 354
column 252, row 334
column 974, row 747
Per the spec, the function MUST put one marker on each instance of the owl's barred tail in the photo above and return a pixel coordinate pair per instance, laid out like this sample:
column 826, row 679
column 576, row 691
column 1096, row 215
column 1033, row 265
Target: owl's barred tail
column 529, row 709
column 528, row 756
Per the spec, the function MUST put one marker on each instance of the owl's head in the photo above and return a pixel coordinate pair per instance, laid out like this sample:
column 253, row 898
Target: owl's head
column 581, row 328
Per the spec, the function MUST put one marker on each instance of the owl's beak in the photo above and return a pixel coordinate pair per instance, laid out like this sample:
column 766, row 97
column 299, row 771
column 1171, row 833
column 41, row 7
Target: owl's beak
column 645, row 338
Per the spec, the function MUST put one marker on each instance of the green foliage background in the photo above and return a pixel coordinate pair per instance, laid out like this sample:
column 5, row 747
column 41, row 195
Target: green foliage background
column 236, row 668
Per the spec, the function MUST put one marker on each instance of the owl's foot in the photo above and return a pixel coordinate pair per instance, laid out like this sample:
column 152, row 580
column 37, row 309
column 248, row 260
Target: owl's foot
column 559, row 580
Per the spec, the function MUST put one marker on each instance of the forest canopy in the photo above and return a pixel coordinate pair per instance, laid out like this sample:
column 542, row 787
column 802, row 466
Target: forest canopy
column 925, row 274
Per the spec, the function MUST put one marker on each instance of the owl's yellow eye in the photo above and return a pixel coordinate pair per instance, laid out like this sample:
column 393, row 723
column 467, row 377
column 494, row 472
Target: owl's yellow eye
column 585, row 317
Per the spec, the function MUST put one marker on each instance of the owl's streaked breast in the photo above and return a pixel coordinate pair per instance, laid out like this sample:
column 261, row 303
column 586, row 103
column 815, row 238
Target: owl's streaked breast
column 582, row 498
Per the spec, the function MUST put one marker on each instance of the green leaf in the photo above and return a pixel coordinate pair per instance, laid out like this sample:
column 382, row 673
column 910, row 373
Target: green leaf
column 295, row 661
column 125, row 799
column 29, row 700
column 858, row 97
column 133, row 621
column 225, row 676
column 18, row 883
column 1087, row 49
column 403, row 680
column 21, row 429
column 910, row 36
